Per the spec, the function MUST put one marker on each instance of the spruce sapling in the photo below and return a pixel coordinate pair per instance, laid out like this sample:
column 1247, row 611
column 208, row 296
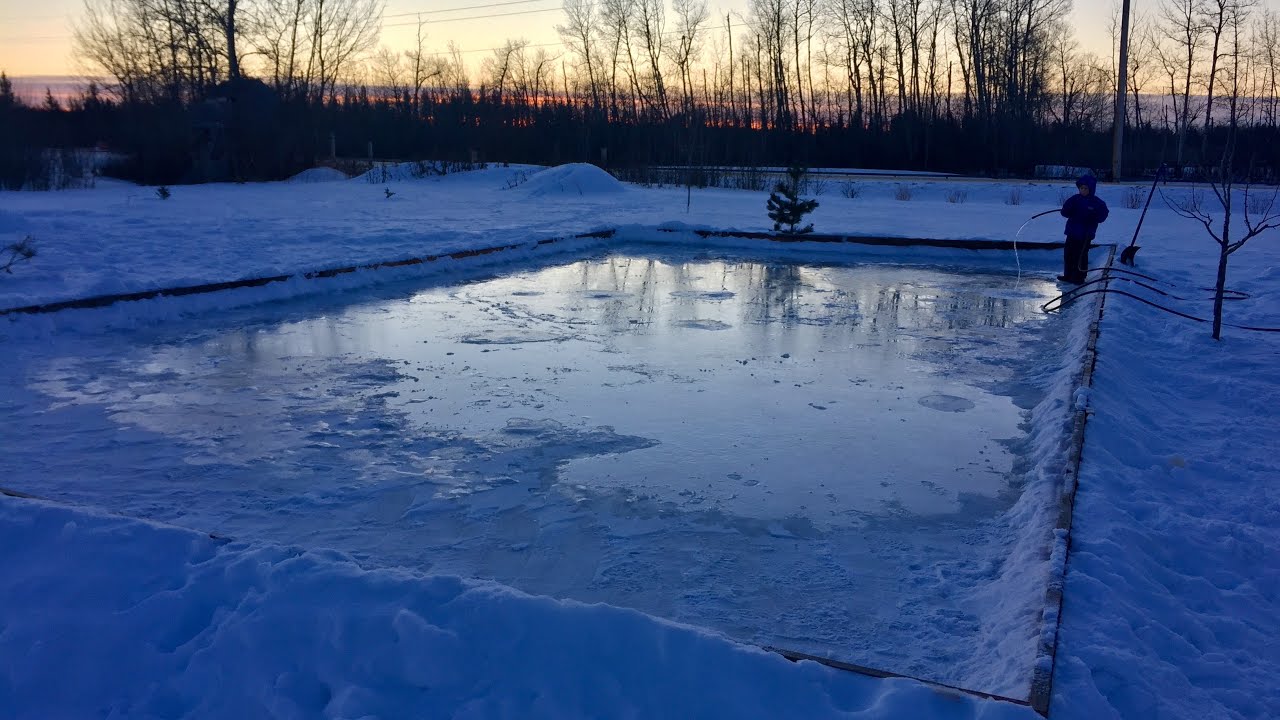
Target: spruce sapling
column 787, row 208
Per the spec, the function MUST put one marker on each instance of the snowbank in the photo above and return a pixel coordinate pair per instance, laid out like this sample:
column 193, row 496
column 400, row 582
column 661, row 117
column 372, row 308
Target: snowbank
column 154, row 621
column 1173, row 584
column 574, row 179
column 318, row 175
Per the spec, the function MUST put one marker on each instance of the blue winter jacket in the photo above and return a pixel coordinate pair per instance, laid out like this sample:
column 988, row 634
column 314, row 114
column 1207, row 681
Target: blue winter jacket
column 1084, row 212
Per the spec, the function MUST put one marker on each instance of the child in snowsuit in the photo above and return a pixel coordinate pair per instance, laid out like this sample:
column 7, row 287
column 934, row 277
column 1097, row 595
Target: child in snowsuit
column 1083, row 213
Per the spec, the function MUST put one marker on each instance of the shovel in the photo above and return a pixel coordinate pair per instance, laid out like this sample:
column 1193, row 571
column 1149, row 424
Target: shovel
column 1127, row 255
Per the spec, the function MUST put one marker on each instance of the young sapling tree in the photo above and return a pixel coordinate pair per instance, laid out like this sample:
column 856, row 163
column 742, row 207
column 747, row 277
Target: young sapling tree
column 786, row 208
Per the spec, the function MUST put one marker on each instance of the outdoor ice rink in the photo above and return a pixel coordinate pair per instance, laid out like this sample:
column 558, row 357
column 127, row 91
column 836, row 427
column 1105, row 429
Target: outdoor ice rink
column 811, row 455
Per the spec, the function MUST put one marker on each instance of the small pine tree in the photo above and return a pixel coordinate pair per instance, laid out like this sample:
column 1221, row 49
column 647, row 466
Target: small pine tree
column 786, row 207
column 162, row 192
column 7, row 98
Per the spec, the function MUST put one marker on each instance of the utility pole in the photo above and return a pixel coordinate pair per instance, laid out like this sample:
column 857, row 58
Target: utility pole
column 1117, row 143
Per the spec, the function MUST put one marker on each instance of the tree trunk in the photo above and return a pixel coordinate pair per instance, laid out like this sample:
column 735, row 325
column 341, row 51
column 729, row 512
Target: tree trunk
column 1222, row 283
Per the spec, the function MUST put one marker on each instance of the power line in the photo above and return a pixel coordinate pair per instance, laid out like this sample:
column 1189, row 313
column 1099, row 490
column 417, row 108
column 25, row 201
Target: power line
column 486, row 16
column 475, row 17
column 492, row 49
column 34, row 38
column 462, row 7
column 434, row 22
column 39, row 18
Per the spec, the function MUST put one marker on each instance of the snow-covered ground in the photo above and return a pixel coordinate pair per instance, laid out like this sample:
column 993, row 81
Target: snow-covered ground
column 1171, row 595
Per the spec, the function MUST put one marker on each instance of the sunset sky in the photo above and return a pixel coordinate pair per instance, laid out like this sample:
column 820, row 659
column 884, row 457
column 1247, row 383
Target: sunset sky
column 35, row 39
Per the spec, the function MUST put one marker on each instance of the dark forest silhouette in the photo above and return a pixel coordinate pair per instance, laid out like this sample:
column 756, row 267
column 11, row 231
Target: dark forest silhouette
column 251, row 134
column 206, row 90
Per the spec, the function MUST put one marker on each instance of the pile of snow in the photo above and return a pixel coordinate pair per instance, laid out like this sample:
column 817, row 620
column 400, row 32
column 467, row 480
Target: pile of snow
column 318, row 175
column 574, row 179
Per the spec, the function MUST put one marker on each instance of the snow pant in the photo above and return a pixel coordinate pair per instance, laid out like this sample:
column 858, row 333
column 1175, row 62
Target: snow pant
column 1075, row 259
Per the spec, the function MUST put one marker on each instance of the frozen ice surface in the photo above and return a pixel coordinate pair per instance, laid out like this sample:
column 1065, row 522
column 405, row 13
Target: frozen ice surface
column 811, row 456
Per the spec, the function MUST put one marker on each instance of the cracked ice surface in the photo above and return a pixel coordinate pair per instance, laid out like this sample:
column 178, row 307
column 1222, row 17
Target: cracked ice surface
column 812, row 456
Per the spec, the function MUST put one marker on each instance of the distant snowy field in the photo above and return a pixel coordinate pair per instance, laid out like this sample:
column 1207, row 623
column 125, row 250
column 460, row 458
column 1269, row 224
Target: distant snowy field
column 1172, row 591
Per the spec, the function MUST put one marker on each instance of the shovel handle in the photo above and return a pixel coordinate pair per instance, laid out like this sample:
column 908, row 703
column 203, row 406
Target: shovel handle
column 1159, row 171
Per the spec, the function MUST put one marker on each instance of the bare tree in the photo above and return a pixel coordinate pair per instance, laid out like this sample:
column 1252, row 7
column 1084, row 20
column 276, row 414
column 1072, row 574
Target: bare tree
column 422, row 66
column 157, row 50
column 307, row 46
column 1267, row 48
column 690, row 17
column 1185, row 35
column 615, row 19
column 1260, row 214
column 278, row 36
column 453, row 72
column 340, row 31
column 1218, row 17
column 1142, row 65
column 1085, row 85
column 498, row 70
column 849, row 18
column 223, row 14
column 771, row 18
column 532, row 78
column 1065, row 53
column 650, row 26
column 389, row 75
column 579, row 33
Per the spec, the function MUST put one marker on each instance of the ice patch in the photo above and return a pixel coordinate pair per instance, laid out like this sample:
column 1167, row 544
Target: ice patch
column 1014, row 294
column 703, row 294
column 487, row 338
column 946, row 403
column 704, row 324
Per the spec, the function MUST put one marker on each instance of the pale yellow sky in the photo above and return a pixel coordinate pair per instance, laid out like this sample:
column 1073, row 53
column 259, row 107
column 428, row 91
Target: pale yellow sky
column 35, row 38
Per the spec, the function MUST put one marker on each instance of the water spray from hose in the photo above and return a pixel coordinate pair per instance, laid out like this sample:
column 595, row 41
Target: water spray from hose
column 1017, row 235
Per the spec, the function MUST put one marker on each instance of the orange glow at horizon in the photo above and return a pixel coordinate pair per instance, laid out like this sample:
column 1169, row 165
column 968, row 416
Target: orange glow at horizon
column 36, row 40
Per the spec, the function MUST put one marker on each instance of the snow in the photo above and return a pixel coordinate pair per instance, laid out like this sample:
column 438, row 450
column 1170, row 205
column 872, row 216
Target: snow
column 1171, row 591
column 319, row 175
column 1173, row 587
column 1081, row 398
column 574, row 179
column 140, row 620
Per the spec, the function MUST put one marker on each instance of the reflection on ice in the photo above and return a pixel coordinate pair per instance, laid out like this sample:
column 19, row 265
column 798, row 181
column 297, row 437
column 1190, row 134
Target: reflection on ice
column 807, row 455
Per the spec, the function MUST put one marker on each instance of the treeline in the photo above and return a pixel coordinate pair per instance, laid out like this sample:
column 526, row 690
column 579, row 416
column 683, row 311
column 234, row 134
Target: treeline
column 258, row 136
column 255, row 89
